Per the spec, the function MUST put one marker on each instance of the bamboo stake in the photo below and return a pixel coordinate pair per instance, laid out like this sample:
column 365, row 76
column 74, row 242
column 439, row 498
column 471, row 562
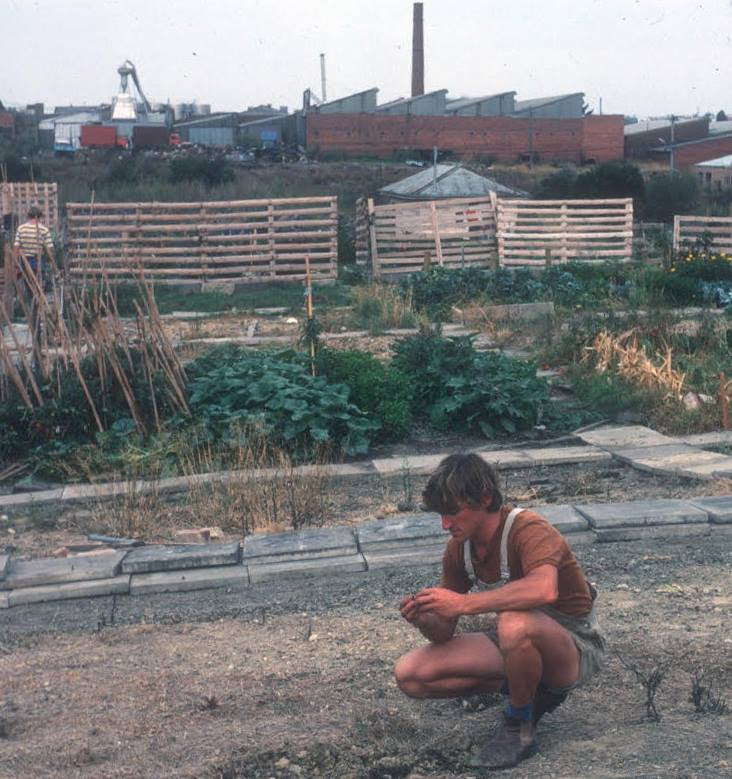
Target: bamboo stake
column 724, row 401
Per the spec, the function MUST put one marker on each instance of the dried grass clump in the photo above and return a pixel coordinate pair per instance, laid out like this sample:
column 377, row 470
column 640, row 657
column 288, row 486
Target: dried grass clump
column 630, row 361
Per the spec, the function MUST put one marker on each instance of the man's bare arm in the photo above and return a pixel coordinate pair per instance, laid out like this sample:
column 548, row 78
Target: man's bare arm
column 538, row 588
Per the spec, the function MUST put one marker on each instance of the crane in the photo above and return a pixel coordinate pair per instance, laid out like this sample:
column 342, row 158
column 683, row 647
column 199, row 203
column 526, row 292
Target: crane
column 124, row 104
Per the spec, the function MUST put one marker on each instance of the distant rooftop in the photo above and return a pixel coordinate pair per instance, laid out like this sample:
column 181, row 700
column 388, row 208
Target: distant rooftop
column 463, row 102
column 443, row 181
column 647, row 125
column 720, row 162
column 540, row 102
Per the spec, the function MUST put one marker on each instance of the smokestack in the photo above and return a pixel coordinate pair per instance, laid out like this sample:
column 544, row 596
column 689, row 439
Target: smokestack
column 417, row 52
column 322, row 77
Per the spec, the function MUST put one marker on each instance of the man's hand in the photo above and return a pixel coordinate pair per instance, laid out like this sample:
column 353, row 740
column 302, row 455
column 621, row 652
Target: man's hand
column 409, row 609
column 440, row 601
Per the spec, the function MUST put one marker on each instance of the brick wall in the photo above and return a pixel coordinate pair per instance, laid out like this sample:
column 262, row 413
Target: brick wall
column 710, row 149
column 503, row 138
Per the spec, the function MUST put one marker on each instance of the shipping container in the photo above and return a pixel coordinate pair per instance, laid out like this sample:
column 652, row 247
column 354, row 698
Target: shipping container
column 150, row 137
column 211, row 136
column 98, row 136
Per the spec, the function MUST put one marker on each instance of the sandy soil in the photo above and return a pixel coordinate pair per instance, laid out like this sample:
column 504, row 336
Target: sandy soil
column 304, row 688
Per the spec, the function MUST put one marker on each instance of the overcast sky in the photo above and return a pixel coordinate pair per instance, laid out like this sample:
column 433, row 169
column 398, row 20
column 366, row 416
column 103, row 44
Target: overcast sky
column 643, row 57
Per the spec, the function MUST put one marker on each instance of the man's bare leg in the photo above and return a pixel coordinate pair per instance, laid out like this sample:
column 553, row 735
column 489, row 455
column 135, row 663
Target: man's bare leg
column 535, row 648
column 465, row 665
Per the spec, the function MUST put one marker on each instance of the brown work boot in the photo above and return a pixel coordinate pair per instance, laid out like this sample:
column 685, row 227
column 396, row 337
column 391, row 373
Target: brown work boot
column 545, row 701
column 513, row 742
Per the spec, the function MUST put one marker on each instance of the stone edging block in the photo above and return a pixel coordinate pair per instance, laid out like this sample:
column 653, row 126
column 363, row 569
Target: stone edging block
column 718, row 508
column 639, row 513
column 4, row 564
column 184, row 581
column 319, row 566
column 149, row 559
column 48, row 571
column 266, row 548
column 115, row 585
column 413, row 530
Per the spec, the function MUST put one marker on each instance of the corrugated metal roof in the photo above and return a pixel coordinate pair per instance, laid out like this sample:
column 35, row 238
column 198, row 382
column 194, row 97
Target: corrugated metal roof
column 462, row 102
column 444, row 181
column 720, row 127
column 538, row 102
column 648, row 125
column 720, row 162
column 401, row 100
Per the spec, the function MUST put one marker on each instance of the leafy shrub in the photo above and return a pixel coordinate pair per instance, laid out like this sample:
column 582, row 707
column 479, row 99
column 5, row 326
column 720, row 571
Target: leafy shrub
column 608, row 179
column 670, row 193
column 457, row 387
column 211, row 172
column 381, row 391
column 303, row 413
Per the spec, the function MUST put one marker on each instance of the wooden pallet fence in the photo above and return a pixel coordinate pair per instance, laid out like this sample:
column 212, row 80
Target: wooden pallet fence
column 362, row 231
column 16, row 198
column 405, row 237
column 689, row 229
column 532, row 232
column 241, row 241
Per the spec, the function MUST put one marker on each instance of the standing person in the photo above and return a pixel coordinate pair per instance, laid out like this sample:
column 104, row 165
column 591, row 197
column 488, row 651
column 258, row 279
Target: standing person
column 545, row 643
column 32, row 241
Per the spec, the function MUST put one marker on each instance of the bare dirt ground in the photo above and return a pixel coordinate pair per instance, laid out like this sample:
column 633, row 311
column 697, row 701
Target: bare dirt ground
column 280, row 682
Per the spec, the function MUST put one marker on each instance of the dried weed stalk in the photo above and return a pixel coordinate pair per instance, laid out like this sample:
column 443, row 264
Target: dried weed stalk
column 623, row 354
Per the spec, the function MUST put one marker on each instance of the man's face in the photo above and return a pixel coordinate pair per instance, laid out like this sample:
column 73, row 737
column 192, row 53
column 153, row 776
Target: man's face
column 465, row 522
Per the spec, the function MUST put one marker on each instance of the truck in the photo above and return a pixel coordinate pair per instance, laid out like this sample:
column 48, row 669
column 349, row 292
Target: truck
column 98, row 136
column 151, row 137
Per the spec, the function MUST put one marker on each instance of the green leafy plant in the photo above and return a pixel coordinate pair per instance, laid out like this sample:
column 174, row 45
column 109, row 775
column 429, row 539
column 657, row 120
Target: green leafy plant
column 474, row 391
column 381, row 391
column 299, row 411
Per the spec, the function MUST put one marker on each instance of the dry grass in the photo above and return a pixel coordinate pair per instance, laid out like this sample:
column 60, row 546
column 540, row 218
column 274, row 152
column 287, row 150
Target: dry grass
column 631, row 363
column 382, row 306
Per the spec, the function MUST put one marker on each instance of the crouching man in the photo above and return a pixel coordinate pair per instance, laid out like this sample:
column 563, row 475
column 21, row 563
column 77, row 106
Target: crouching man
column 521, row 569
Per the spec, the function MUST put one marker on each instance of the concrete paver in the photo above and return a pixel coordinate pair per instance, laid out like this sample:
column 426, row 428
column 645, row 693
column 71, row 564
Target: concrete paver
column 638, row 513
column 266, row 548
column 624, row 437
column 313, row 566
column 195, row 579
column 565, row 518
column 4, row 563
column 718, row 508
column 149, row 559
column 4, row 600
column 651, row 531
column 672, row 459
column 558, row 455
column 81, row 589
column 48, row 571
column 413, row 530
column 391, row 557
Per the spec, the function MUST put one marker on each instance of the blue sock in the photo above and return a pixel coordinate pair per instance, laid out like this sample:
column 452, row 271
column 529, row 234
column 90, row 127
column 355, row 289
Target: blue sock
column 520, row 712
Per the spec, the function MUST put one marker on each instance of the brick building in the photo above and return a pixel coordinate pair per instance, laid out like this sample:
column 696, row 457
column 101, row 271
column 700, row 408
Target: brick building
column 502, row 138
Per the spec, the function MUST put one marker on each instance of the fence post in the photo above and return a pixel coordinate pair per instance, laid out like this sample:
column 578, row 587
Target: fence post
column 548, row 258
column 499, row 234
column 373, row 247
column 436, row 232
column 8, row 286
column 564, row 254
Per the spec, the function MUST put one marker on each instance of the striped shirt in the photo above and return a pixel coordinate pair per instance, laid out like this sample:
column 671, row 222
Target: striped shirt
column 32, row 238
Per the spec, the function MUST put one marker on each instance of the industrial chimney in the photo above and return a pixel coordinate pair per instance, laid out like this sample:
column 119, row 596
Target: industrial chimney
column 417, row 52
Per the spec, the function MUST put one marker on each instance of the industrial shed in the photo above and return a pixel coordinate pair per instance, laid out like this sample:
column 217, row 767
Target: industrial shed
column 429, row 104
column 443, row 181
column 501, row 104
column 570, row 106
column 213, row 130
column 357, row 103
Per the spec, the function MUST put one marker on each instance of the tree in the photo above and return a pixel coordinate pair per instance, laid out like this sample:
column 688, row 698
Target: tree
column 721, row 116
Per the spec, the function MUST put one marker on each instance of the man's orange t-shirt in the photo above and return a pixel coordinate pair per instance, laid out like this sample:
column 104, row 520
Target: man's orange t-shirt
column 532, row 541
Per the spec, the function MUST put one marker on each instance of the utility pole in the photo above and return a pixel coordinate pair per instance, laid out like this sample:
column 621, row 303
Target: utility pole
column 672, row 162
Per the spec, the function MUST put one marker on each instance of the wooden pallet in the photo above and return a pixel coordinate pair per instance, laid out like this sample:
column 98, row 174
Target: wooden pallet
column 244, row 241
